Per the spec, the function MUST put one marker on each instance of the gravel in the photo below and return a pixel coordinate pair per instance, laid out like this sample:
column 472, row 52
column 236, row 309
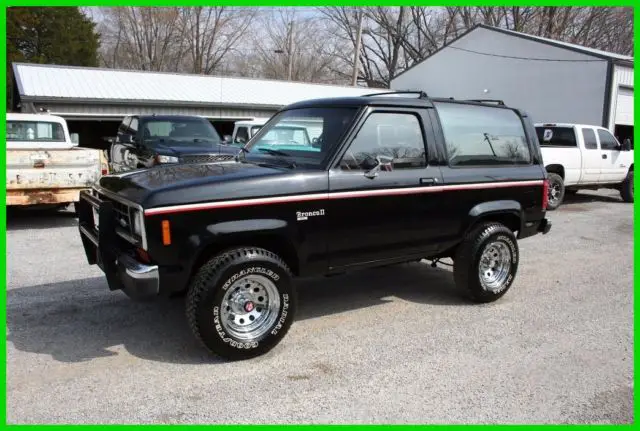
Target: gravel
column 389, row 345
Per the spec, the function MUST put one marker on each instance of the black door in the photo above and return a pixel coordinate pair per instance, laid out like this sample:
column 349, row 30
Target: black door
column 388, row 213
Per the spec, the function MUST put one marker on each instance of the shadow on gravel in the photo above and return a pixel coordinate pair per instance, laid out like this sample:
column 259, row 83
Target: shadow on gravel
column 586, row 196
column 20, row 219
column 80, row 320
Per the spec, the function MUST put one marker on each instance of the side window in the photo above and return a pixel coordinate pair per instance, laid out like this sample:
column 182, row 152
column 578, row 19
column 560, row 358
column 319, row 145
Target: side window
column 483, row 135
column 589, row 137
column 394, row 137
column 242, row 135
column 607, row 141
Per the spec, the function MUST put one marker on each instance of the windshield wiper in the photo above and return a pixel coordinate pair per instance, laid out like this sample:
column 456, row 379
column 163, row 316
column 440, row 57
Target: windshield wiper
column 274, row 152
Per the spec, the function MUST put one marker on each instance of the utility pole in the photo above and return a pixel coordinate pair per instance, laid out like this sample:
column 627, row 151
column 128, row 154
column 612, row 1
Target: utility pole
column 290, row 51
column 356, row 55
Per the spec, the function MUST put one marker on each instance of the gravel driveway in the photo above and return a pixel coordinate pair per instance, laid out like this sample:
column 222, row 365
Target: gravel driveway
column 390, row 345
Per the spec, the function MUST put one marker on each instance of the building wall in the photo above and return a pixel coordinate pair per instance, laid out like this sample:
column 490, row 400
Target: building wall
column 550, row 91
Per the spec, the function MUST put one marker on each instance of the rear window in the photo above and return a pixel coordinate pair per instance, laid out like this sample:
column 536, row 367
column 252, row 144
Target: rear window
column 41, row 131
column 556, row 136
column 483, row 135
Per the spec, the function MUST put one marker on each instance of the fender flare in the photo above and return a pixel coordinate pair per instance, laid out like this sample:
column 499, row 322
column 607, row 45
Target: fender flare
column 238, row 232
column 482, row 210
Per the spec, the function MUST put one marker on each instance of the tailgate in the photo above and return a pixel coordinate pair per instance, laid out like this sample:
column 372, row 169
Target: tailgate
column 52, row 169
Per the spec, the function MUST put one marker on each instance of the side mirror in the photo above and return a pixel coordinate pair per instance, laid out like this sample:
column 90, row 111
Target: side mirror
column 75, row 138
column 626, row 145
column 125, row 138
column 226, row 139
column 372, row 165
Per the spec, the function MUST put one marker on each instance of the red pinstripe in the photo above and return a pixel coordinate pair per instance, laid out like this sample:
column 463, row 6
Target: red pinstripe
column 336, row 195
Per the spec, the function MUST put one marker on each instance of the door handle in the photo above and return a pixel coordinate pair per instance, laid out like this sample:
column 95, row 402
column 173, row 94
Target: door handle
column 604, row 156
column 428, row 181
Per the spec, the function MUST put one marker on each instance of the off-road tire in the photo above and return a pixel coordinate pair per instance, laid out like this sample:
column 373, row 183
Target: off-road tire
column 555, row 179
column 467, row 261
column 626, row 188
column 207, row 290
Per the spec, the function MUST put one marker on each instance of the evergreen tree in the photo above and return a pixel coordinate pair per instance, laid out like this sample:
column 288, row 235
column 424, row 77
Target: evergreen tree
column 51, row 35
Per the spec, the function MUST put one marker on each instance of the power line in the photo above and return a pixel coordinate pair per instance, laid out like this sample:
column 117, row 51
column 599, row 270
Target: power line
column 524, row 58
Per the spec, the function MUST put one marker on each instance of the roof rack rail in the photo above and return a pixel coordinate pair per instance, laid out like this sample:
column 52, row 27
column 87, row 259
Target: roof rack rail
column 421, row 94
column 499, row 102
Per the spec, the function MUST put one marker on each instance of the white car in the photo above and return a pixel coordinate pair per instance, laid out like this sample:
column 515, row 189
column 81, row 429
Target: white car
column 579, row 156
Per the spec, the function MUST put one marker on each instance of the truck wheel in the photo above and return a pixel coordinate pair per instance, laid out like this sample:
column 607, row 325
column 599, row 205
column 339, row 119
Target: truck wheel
column 626, row 189
column 241, row 303
column 486, row 262
column 556, row 191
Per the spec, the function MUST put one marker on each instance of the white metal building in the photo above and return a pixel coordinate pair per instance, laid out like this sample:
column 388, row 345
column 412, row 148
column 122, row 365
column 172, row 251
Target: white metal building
column 553, row 81
column 94, row 100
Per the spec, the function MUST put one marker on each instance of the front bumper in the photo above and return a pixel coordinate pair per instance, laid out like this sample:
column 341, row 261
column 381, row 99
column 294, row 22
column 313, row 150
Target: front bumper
column 123, row 271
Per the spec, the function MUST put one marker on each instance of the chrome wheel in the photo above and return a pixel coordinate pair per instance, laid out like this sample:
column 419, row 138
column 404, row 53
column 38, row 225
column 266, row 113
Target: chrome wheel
column 250, row 307
column 495, row 266
column 554, row 193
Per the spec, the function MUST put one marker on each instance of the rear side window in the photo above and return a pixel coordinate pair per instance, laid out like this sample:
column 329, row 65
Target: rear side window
column 589, row 137
column 483, row 135
column 607, row 141
column 557, row 136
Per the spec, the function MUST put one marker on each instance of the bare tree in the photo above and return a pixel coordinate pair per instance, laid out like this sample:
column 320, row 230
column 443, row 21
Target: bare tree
column 212, row 32
column 146, row 38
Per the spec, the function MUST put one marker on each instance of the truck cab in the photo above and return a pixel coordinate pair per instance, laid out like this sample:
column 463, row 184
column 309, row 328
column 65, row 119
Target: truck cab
column 583, row 156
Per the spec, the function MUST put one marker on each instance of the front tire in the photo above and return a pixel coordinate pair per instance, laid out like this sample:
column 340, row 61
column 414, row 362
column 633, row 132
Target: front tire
column 241, row 303
column 556, row 191
column 486, row 262
column 626, row 189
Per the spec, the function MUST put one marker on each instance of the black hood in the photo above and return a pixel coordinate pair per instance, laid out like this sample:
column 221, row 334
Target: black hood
column 189, row 182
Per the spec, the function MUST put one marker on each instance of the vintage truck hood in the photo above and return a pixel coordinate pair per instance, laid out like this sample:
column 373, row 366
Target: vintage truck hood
column 190, row 183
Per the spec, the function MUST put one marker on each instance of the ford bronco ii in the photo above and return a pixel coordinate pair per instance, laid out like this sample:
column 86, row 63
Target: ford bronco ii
column 389, row 179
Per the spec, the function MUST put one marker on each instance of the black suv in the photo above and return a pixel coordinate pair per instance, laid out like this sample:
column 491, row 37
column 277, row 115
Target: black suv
column 387, row 179
column 144, row 141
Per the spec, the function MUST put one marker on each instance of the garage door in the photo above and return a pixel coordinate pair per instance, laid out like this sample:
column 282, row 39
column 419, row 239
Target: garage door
column 624, row 107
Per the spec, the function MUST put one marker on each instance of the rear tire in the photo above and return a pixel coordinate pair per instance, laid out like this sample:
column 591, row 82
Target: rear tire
column 241, row 303
column 626, row 189
column 556, row 191
column 486, row 262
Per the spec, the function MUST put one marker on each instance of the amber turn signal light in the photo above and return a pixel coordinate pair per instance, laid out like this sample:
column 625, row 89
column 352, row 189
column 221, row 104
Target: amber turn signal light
column 166, row 232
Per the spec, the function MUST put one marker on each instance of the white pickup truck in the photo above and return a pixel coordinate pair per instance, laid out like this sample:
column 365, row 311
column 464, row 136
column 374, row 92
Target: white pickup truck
column 579, row 156
column 45, row 167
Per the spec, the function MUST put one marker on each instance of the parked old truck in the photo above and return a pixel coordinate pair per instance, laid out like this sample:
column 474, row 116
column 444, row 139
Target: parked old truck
column 582, row 156
column 45, row 166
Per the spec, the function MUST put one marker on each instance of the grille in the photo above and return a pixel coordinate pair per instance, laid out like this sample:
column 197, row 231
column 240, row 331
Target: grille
column 122, row 215
column 207, row 158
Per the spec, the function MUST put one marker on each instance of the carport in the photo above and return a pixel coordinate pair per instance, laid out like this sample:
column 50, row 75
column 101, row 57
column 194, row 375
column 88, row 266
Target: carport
column 94, row 100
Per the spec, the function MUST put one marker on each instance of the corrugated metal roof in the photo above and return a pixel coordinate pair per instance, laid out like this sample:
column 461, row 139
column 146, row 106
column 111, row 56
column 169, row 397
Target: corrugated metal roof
column 37, row 81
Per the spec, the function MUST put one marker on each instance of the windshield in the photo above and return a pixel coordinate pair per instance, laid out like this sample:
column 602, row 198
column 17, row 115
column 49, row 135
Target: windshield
column 41, row 131
column 301, row 137
column 187, row 132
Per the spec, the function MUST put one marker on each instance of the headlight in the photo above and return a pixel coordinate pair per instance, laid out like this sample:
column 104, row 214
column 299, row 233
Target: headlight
column 136, row 222
column 167, row 159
